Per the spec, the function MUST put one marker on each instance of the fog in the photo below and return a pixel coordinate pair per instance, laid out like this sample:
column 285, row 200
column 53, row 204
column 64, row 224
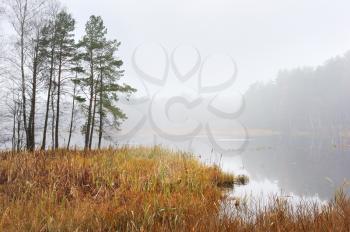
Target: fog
column 260, row 87
column 262, row 36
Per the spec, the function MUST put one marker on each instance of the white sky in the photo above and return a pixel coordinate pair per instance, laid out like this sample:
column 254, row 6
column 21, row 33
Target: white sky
column 262, row 36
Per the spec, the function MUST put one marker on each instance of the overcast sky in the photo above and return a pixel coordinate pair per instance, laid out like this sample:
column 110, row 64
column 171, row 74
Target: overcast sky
column 262, row 36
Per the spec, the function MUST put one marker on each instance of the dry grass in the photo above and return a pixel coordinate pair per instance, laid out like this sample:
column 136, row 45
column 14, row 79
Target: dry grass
column 282, row 215
column 127, row 189
column 141, row 189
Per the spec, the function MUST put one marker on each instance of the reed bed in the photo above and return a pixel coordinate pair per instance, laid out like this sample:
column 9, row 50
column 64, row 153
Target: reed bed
column 142, row 189
column 125, row 189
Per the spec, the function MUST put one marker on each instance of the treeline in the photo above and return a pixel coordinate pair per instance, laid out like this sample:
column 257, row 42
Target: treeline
column 303, row 100
column 46, row 66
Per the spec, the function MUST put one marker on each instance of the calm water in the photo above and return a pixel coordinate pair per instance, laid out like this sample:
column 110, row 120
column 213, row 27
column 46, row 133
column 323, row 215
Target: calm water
column 296, row 167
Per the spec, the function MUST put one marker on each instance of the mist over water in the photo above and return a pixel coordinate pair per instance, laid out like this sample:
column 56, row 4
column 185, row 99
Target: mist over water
column 294, row 166
column 290, row 135
column 228, row 82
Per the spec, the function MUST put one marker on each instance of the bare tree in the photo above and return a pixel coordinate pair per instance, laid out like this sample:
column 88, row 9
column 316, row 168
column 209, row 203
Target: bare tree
column 23, row 16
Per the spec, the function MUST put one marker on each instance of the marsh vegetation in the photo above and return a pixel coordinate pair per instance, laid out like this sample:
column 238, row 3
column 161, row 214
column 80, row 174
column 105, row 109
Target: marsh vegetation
column 142, row 189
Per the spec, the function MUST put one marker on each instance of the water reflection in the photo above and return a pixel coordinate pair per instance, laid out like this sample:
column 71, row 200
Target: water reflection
column 301, row 165
column 290, row 166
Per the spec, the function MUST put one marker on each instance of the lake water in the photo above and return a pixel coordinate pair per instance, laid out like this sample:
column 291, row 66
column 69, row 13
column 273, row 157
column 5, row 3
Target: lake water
column 297, row 167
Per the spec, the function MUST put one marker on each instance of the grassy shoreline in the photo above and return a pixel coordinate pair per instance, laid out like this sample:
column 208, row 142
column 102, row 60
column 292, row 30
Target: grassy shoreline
column 142, row 189
column 126, row 189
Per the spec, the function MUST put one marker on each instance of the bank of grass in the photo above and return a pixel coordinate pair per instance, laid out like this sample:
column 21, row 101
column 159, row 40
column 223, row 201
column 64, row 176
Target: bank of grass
column 142, row 189
column 282, row 214
column 126, row 189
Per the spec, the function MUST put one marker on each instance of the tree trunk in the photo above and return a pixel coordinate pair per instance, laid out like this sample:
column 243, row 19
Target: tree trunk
column 53, row 118
column 58, row 100
column 43, row 145
column 14, row 129
column 24, row 110
column 100, row 131
column 72, row 117
column 93, row 121
column 88, row 124
column 19, row 130
column 31, row 126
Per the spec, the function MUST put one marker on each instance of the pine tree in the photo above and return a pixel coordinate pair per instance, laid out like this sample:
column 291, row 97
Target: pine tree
column 65, row 26
column 77, row 69
column 108, row 88
column 92, row 43
column 102, row 82
column 49, row 41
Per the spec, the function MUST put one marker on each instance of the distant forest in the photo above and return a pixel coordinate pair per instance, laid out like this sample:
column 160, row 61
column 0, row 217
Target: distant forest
column 303, row 100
